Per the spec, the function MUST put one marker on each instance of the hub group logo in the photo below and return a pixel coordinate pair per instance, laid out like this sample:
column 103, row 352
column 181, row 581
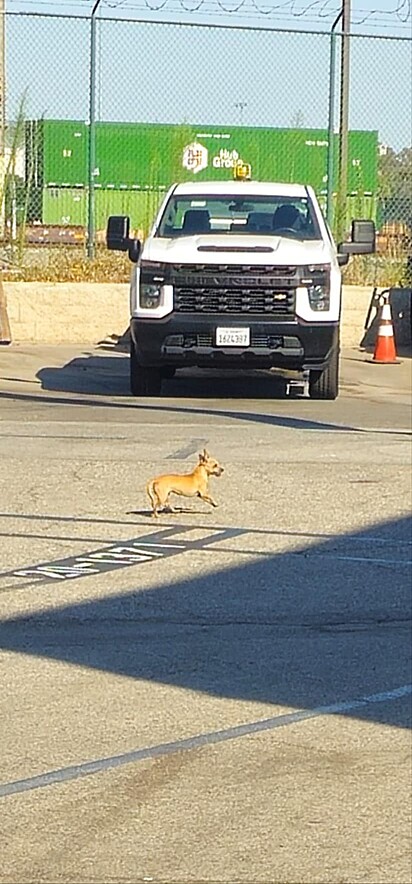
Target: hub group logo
column 195, row 157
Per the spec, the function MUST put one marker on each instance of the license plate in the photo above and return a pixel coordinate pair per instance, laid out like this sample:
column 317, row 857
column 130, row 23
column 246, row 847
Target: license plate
column 232, row 337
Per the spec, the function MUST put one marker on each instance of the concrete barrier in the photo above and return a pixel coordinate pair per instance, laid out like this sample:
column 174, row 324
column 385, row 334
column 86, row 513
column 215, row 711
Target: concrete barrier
column 355, row 304
column 88, row 313
column 66, row 313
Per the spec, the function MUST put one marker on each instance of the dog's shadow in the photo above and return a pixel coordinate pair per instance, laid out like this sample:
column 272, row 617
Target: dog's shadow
column 168, row 512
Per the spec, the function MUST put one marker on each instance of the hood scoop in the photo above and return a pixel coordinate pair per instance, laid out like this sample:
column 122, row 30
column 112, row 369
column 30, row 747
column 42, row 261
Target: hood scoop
column 241, row 249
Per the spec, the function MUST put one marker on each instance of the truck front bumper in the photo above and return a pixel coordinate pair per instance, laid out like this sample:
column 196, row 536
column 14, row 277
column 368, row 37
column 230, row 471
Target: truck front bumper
column 181, row 340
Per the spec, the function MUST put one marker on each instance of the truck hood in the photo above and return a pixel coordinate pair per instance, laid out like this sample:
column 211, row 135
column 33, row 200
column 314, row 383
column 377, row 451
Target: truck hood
column 242, row 249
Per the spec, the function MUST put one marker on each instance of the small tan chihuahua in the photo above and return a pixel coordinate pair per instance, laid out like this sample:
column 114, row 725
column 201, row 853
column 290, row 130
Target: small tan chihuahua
column 189, row 485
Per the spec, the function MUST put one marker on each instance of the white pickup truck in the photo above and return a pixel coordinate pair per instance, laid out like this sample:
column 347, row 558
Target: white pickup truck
column 237, row 274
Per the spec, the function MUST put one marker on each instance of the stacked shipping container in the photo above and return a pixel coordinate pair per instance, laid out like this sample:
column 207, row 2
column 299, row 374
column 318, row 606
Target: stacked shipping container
column 137, row 162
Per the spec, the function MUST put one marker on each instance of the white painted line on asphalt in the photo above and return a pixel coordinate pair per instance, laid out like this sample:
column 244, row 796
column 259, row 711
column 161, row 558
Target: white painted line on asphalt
column 162, row 545
column 130, row 552
column 401, row 562
column 74, row 772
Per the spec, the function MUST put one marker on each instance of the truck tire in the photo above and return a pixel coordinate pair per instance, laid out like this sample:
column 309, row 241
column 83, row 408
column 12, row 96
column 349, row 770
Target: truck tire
column 144, row 380
column 325, row 384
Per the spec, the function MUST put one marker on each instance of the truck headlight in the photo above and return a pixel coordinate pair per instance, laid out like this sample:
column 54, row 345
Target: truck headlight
column 150, row 295
column 319, row 297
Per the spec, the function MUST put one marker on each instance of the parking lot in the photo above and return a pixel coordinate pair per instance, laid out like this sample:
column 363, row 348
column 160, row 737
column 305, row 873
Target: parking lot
column 219, row 695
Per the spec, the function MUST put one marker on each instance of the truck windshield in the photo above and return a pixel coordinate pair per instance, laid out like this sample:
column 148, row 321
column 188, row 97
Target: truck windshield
column 255, row 216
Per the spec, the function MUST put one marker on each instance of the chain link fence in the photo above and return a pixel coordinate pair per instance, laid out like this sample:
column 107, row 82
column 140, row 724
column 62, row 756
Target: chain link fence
column 172, row 102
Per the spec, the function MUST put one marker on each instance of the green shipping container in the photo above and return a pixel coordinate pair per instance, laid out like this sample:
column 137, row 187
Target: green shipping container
column 68, row 206
column 56, row 153
column 140, row 156
column 64, row 206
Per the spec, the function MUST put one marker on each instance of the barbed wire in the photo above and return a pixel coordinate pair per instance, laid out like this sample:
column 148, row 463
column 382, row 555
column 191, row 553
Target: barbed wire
column 322, row 8
column 311, row 11
column 323, row 5
column 405, row 4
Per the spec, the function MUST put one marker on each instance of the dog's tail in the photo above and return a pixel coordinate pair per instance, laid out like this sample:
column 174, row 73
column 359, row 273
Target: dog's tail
column 150, row 491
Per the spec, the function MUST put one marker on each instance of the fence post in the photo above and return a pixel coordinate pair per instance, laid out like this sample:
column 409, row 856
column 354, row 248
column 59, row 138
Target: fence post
column 92, row 137
column 341, row 221
column 331, row 121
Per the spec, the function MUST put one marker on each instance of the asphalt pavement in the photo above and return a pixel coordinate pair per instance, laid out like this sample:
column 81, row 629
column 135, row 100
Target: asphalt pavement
column 220, row 695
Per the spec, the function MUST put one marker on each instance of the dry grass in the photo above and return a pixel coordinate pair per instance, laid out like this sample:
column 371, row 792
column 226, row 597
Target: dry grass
column 374, row 270
column 70, row 264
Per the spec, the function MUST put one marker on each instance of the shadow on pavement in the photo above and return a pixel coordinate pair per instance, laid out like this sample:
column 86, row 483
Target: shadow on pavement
column 98, row 374
column 325, row 622
column 280, row 420
column 93, row 380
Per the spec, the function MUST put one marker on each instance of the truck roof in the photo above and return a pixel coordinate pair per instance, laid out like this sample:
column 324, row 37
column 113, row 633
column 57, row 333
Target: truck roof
column 249, row 188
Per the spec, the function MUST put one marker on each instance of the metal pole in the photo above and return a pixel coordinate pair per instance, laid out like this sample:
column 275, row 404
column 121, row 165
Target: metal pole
column 2, row 112
column 344, row 119
column 92, row 137
column 331, row 121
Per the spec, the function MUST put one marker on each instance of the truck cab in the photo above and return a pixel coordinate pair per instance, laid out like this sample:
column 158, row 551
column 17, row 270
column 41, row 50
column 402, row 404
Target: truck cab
column 237, row 274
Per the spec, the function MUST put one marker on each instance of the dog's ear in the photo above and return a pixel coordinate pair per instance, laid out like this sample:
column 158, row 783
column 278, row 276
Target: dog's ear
column 206, row 454
column 201, row 457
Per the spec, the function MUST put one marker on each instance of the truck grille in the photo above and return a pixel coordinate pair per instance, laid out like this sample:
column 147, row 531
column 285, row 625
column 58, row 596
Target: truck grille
column 209, row 288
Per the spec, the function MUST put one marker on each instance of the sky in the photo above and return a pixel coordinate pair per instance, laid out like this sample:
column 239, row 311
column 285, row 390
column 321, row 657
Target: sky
column 153, row 72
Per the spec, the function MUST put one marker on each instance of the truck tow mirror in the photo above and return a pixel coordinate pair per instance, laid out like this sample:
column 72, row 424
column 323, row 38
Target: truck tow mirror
column 117, row 234
column 363, row 237
column 118, row 237
column 364, row 233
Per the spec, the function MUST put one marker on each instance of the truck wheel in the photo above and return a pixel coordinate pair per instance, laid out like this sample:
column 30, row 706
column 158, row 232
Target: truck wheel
column 325, row 384
column 144, row 380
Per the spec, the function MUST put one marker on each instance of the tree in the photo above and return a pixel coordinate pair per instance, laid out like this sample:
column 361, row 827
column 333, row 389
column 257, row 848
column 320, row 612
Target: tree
column 395, row 186
column 7, row 182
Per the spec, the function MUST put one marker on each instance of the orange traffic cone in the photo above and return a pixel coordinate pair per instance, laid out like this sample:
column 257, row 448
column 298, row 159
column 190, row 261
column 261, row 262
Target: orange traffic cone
column 385, row 349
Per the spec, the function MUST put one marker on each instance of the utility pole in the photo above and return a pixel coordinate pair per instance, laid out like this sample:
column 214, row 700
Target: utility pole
column 344, row 118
